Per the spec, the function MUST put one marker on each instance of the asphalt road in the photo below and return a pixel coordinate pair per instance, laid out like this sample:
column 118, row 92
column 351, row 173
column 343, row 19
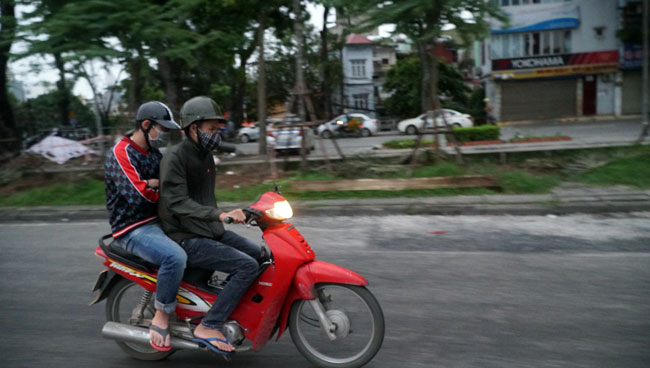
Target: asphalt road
column 587, row 132
column 466, row 291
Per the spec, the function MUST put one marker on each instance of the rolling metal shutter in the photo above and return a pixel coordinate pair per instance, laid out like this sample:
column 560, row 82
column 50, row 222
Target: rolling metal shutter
column 533, row 100
column 631, row 93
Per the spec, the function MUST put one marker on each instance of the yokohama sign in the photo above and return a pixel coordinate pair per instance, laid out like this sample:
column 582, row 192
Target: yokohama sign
column 555, row 65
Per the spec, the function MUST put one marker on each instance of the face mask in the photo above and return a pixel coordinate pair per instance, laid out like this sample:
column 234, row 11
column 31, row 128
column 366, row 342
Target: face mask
column 160, row 141
column 209, row 141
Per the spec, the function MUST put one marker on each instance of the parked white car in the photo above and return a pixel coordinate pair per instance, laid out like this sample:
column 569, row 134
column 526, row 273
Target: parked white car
column 453, row 117
column 249, row 133
column 368, row 127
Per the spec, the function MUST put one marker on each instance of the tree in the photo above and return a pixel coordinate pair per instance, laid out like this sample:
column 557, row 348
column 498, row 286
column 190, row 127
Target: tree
column 403, row 81
column 7, row 35
column 41, row 113
column 423, row 22
column 37, row 24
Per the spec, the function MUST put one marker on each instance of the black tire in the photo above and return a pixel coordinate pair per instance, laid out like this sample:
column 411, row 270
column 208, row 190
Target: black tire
column 244, row 138
column 376, row 336
column 411, row 130
column 326, row 134
column 457, row 125
column 113, row 312
column 365, row 132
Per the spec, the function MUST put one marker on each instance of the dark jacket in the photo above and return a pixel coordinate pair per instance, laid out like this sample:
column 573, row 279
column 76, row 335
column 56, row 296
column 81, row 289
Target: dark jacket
column 187, row 205
column 130, row 202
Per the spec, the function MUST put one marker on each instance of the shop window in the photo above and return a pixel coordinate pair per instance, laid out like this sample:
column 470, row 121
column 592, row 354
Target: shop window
column 496, row 50
column 535, row 43
column 546, row 43
column 567, row 41
column 505, row 43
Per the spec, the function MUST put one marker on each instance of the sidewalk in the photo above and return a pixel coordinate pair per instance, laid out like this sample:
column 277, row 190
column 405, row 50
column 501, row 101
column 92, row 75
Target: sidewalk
column 567, row 199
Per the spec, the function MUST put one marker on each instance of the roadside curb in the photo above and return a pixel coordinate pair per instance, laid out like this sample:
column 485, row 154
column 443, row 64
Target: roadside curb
column 516, row 205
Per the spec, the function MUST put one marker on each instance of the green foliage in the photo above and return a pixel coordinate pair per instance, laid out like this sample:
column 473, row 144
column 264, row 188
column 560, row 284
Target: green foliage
column 517, row 182
column 42, row 112
column 441, row 169
column 403, row 80
column 634, row 171
column 404, row 143
column 88, row 191
column 479, row 133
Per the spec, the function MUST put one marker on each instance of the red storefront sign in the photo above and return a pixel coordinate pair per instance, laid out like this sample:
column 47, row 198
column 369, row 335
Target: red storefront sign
column 555, row 65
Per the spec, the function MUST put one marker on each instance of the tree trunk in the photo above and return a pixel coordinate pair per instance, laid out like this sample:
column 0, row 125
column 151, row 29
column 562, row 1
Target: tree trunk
column 7, row 35
column 239, row 91
column 324, row 56
column 261, row 86
column 170, row 81
column 64, row 96
column 299, row 89
column 135, row 95
column 426, row 95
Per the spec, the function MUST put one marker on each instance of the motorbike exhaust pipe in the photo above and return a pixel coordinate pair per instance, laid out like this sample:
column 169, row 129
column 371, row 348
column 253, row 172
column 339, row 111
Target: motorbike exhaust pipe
column 127, row 333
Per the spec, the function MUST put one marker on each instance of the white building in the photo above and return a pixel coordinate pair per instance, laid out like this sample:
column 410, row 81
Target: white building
column 558, row 58
column 358, row 70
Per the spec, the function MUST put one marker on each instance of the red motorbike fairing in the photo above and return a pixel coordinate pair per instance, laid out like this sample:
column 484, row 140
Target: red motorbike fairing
column 307, row 277
column 290, row 250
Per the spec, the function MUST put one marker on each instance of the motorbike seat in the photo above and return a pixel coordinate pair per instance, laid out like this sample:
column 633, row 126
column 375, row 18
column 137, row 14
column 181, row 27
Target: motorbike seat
column 125, row 257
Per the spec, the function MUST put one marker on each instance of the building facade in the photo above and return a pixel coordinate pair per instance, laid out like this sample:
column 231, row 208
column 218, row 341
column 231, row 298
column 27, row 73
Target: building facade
column 358, row 93
column 557, row 58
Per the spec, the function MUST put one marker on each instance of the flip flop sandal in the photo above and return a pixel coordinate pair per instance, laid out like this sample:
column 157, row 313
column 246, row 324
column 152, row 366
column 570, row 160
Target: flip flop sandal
column 163, row 332
column 208, row 345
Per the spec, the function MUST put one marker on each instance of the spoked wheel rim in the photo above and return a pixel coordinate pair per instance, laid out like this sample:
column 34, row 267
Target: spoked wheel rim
column 359, row 327
column 122, row 309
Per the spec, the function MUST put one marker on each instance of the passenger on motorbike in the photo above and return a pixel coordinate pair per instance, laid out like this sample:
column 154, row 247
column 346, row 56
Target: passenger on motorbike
column 190, row 215
column 131, row 172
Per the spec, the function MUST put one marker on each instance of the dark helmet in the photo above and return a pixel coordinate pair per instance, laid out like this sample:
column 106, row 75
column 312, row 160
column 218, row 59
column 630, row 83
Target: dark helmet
column 157, row 112
column 198, row 109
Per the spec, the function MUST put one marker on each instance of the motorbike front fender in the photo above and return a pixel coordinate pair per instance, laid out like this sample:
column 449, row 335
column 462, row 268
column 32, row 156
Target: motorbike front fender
column 305, row 281
column 317, row 272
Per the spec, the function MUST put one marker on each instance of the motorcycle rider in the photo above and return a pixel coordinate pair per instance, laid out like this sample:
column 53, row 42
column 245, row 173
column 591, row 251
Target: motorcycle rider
column 132, row 180
column 190, row 215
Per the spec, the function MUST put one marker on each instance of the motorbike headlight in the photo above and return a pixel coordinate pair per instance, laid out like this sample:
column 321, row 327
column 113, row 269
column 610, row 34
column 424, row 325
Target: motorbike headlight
column 280, row 211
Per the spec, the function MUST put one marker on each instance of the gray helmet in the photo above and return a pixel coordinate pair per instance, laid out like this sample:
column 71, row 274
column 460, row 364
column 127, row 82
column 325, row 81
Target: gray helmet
column 200, row 108
column 157, row 112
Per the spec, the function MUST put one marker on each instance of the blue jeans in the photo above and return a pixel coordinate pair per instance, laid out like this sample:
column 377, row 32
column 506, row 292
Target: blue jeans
column 150, row 243
column 232, row 254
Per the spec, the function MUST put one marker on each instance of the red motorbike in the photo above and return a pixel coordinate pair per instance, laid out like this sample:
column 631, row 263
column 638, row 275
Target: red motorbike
column 334, row 320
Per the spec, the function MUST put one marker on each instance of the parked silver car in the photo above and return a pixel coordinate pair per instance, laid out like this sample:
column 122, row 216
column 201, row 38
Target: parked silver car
column 287, row 137
column 249, row 133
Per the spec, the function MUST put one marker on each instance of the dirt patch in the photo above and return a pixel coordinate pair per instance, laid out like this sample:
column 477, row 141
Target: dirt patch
column 243, row 176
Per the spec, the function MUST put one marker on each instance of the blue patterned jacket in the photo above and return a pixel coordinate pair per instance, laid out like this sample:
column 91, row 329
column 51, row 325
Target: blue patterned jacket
column 130, row 202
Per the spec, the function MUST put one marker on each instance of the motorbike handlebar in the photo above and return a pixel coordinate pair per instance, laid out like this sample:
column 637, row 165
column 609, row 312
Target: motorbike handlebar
column 227, row 148
column 251, row 215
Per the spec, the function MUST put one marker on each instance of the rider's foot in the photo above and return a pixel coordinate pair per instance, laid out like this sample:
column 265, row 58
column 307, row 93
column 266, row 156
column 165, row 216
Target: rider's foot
column 161, row 320
column 203, row 332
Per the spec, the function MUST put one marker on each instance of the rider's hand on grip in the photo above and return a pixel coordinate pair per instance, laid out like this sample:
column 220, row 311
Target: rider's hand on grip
column 235, row 216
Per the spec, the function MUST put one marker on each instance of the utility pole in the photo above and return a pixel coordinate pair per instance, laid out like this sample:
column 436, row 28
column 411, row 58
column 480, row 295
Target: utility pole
column 646, row 54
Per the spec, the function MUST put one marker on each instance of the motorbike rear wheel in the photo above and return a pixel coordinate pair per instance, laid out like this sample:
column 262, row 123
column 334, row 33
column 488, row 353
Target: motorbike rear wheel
column 121, row 305
column 359, row 323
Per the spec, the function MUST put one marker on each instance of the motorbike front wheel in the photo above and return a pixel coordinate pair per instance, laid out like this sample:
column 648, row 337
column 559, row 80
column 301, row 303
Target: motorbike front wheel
column 359, row 327
column 124, row 305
